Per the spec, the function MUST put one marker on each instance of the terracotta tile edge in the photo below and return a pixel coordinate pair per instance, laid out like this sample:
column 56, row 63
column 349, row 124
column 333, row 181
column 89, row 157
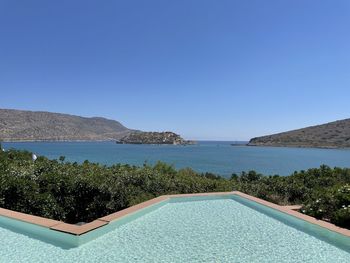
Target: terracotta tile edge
column 133, row 209
column 79, row 229
column 200, row 194
column 32, row 219
column 293, row 207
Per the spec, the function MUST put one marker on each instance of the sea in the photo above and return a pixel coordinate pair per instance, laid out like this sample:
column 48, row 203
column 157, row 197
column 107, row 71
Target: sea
column 218, row 157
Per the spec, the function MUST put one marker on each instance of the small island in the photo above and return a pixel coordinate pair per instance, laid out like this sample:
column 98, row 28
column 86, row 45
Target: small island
column 154, row 138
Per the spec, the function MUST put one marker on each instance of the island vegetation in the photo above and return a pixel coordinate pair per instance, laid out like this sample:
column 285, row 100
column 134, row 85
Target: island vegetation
column 154, row 138
column 74, row 192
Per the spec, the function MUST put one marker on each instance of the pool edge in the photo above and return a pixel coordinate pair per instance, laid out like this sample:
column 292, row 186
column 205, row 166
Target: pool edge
column 290, row 210
column 78, row 230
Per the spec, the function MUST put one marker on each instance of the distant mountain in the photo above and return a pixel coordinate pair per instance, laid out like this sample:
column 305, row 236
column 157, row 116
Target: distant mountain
column 19, row 125
column 330, row 135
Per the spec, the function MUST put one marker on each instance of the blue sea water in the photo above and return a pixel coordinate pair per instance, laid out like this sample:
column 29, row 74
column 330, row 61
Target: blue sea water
column 216, row 157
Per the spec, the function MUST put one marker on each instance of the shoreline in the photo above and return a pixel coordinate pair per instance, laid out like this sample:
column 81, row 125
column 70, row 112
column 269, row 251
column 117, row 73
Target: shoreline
column 300, row 146
column 12, row 141
column 197, row 143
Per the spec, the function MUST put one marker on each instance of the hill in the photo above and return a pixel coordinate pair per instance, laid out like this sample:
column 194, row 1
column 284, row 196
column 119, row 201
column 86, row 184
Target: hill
column 330, row 135
column 19, row 125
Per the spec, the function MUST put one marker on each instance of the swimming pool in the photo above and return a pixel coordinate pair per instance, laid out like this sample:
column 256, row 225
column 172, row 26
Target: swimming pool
column 187, row 229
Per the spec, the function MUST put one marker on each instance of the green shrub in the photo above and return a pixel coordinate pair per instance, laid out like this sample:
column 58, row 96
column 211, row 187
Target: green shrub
column 341, row 217
column 74, row 192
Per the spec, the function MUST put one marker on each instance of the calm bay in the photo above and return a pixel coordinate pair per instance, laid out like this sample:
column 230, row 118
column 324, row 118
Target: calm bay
column 207, row 156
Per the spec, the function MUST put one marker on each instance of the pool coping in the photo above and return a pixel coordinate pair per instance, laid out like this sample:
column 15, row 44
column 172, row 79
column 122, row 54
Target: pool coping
column 78, row 230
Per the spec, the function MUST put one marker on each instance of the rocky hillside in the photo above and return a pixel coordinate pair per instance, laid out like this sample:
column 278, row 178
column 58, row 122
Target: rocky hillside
column 18, row 125
column 330, row 135
column 154, row 138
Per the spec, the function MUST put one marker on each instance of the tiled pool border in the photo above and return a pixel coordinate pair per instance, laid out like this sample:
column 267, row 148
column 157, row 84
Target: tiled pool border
column 102, row 221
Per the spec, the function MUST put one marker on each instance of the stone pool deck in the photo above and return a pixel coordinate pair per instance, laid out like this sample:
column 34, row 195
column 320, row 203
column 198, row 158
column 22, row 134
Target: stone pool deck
column 102, row 221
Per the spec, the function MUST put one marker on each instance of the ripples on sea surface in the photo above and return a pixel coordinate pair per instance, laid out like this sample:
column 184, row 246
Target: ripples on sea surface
column 216, row 157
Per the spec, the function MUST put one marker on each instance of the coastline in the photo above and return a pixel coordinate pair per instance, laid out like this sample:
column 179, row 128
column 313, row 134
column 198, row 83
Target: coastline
column 300, row 146
column 11, row 141
column 197, row 142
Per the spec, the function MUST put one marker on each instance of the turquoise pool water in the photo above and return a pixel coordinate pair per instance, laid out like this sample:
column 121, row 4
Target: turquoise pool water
column 214, row 230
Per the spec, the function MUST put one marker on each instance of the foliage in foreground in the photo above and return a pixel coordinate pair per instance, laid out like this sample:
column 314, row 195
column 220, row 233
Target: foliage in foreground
column 74, row 192
column 324, row 192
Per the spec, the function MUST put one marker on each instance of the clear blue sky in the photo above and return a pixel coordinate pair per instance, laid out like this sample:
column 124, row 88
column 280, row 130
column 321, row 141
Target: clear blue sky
column 218, row 69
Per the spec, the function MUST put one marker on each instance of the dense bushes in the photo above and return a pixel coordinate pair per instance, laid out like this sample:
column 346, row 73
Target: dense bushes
column 74, row 192
column 333, row 205
column 82, row 192
column 323, row 192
